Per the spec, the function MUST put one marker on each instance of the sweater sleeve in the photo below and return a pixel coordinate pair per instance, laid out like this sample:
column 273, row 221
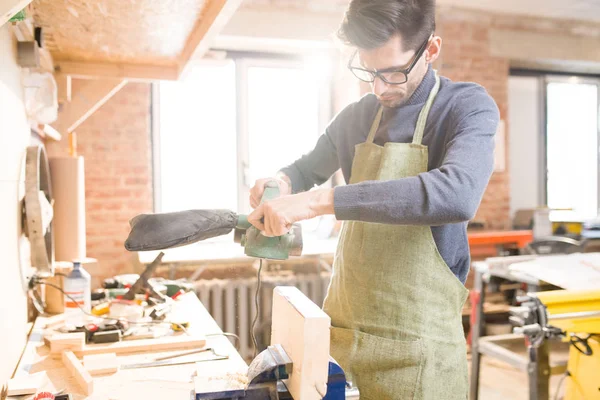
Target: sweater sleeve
column 315, row 167
column 448, row 194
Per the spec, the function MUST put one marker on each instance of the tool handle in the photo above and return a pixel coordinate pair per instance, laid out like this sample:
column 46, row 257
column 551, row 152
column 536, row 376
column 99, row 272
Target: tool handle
column 271, row 191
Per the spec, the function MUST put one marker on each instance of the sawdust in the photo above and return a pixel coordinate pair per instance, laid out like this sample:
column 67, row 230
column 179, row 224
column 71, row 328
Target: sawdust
column 233, row 380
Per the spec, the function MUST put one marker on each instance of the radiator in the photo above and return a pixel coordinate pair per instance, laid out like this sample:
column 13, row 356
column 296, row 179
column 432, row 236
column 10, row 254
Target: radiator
column 231, row 303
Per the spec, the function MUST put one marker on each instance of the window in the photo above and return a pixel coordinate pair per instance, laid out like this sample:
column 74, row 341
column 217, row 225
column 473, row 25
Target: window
column 197, row 141
column 228, row 123
column 572, row 145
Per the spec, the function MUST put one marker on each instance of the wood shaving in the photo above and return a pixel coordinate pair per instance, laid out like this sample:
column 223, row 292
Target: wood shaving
column 233, row 380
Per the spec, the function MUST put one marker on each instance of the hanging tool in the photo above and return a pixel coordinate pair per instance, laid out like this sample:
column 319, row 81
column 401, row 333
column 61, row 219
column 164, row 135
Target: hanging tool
column 37, row 211
column 164, row 231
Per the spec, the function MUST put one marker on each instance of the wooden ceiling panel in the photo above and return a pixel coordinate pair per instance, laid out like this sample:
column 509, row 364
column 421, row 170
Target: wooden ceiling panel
column 130, row 31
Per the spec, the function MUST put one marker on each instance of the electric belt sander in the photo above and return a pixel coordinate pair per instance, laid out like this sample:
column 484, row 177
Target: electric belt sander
column 169, row 230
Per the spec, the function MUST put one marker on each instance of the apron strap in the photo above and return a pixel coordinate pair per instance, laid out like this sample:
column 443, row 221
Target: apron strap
column 375, row 125
column 420, row 129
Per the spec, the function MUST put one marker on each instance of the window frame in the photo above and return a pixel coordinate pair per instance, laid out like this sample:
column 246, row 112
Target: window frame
column 243, row 61
column 552, row 78
column 544, row 78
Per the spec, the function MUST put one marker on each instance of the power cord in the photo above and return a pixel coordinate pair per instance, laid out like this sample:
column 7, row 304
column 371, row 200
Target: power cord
column 256, row 295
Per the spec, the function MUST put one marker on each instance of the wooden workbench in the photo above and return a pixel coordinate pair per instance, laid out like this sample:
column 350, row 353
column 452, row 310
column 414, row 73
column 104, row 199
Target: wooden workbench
column 168, row 382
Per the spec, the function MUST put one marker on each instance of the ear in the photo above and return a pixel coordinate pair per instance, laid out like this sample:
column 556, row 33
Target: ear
column 434, row 50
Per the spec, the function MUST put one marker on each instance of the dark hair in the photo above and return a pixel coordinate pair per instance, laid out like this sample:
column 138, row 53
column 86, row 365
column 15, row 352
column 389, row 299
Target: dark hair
column 369, row 24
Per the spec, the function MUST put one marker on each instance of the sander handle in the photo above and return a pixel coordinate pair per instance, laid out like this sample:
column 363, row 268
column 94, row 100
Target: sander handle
column 271, row 191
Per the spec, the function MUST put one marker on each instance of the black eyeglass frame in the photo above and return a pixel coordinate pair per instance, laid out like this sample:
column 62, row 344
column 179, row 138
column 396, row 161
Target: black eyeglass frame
column 404, row 71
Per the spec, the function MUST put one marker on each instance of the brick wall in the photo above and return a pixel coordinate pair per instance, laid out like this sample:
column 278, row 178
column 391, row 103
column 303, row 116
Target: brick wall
column 115, row 142
column 465, row 57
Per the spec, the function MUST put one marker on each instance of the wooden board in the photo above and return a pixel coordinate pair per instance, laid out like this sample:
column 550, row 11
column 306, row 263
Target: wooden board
column 146, row 345
column 66, row 341
column 101, row 364
column 302, row 328
column 168, row 382
column 76, row 368
column 27, row 384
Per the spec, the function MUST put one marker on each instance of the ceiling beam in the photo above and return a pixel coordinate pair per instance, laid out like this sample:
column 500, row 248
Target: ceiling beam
column 132, row 72
column 214, row 17
column 8, row 8
column 85, row 101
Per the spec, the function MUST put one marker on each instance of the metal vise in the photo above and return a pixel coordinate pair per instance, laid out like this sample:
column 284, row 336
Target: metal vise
column 266, row 374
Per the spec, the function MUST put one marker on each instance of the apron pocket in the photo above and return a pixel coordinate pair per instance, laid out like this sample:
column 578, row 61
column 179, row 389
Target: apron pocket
column 381, row 368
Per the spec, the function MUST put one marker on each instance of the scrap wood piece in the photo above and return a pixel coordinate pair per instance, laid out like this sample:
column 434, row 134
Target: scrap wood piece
column 76, row 368
column 302, row 329
column 101, row 364
column 147, row 345
column 66, row 341
column 27, row 384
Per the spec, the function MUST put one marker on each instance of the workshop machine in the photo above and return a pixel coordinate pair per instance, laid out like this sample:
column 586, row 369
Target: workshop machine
column 568, row 315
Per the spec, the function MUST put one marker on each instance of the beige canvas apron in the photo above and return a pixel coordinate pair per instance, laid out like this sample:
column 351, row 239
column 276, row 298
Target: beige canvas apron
column 395, row 306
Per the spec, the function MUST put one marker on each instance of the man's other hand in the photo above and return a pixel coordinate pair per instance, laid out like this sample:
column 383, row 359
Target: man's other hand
column 257, row 191
column 275, row 217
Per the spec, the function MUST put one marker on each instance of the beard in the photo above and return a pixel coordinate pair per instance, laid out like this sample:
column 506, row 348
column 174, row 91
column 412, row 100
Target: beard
column 398, row 95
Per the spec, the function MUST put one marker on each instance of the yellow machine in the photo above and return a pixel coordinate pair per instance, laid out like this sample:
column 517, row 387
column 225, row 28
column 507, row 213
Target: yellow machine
column 574, row 316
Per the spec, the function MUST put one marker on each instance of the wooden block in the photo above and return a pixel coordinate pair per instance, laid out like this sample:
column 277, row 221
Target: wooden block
column 27, row 384
column 76, row 368
column 302, row 328
column 66, row 341
column 146, row 345
column 101, row 364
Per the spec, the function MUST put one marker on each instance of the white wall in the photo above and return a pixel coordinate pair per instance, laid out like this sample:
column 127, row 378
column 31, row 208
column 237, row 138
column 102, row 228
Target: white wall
column 524, row 142
column 14, row 138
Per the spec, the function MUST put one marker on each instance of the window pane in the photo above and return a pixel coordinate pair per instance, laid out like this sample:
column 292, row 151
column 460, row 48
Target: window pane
column 573, row 147
column 198, row 140
column 283, row 118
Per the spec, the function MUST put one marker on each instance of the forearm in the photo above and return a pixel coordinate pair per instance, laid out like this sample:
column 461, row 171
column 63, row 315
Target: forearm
column 428, row 199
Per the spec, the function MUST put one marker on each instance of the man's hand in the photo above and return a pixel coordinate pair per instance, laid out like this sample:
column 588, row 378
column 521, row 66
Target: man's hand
column 279, row 214
column 257, row 191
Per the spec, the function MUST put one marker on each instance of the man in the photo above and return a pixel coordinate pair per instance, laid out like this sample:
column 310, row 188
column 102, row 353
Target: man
column 417, row 155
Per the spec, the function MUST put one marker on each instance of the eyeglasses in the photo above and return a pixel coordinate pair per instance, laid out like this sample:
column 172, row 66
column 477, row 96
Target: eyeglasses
column 391, row 76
